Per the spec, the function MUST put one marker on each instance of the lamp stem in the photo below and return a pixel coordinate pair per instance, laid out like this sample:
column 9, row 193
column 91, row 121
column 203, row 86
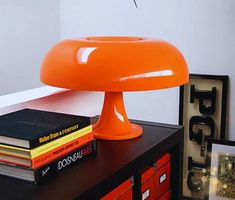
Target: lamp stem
column 114, row 123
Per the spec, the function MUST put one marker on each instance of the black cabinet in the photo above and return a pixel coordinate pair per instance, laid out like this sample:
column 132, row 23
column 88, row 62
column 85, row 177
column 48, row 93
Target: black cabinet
column 114, row 162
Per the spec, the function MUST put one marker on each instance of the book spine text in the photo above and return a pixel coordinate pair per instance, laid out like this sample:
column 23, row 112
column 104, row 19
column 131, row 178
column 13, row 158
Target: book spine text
column 65, row 161
column 57, row 133
column 61, row 150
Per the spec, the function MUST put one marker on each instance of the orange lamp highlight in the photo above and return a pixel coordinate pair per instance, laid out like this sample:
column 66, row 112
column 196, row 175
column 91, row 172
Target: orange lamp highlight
column 114, row 65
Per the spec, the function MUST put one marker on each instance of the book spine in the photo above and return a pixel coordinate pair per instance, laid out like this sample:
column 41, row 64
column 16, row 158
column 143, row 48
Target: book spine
column 29, row 154
column 59, row 142
column 61, row 150
column 64, row 162
column 58, row 132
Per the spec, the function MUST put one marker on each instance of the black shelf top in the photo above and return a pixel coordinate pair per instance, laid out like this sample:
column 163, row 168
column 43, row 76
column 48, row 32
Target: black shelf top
column 114, row 162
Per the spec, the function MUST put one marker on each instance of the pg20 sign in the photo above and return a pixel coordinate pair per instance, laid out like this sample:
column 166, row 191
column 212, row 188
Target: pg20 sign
column 203, row 115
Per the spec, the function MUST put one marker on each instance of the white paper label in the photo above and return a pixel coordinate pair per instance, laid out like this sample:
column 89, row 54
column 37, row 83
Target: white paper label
column 162, row 177
column 145, row 194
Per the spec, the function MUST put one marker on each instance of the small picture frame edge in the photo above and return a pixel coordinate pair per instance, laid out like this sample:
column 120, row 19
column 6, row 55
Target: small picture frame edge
column 212, row 141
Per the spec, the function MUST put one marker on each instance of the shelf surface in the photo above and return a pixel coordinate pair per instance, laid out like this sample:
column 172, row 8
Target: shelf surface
column 114, row 162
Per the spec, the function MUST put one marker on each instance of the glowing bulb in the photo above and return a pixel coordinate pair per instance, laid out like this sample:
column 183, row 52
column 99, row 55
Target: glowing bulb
column 230, row 166
column 214, row 181
column 225, row 186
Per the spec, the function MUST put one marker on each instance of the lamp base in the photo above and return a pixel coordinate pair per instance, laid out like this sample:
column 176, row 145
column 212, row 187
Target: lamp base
column 113, row 123
column 135, row 132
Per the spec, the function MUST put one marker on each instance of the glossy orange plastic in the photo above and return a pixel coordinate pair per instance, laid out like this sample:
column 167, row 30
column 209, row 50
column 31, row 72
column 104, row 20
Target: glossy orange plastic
column 113, row 123
column 114, row 64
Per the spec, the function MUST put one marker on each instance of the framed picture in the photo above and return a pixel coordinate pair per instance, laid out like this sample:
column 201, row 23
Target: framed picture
column 222, row 169
column 202, row 112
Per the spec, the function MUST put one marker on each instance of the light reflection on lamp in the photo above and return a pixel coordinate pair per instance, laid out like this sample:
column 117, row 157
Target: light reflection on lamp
column 148, row 75
column 114, row 64
column 84, row 53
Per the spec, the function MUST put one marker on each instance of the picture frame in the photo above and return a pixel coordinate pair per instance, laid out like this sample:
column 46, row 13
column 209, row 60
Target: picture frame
column 202, row 112
column 221, row 160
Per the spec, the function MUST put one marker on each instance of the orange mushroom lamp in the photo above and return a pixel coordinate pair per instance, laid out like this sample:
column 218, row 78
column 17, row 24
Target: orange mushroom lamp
column 114, row 65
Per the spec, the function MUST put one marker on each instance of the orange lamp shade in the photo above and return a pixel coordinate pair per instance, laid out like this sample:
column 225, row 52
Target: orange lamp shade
column 113, row 65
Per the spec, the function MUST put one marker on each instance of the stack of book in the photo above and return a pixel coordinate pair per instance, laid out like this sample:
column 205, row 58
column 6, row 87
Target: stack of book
column 37, row 144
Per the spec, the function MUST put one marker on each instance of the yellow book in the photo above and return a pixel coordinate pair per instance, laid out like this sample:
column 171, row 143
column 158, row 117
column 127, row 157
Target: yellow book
column 26, row 153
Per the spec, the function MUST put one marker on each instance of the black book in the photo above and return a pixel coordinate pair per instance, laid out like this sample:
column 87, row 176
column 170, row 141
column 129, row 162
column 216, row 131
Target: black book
column 30, row 128
column 43, row 173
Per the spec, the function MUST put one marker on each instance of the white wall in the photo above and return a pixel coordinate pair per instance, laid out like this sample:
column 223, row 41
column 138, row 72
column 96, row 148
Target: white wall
column 204, row 31
column 27, row 30
column 51, row 99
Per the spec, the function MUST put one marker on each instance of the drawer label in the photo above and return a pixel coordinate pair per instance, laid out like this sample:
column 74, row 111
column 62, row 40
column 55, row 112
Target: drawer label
column 145, row 195
column 162, row 178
